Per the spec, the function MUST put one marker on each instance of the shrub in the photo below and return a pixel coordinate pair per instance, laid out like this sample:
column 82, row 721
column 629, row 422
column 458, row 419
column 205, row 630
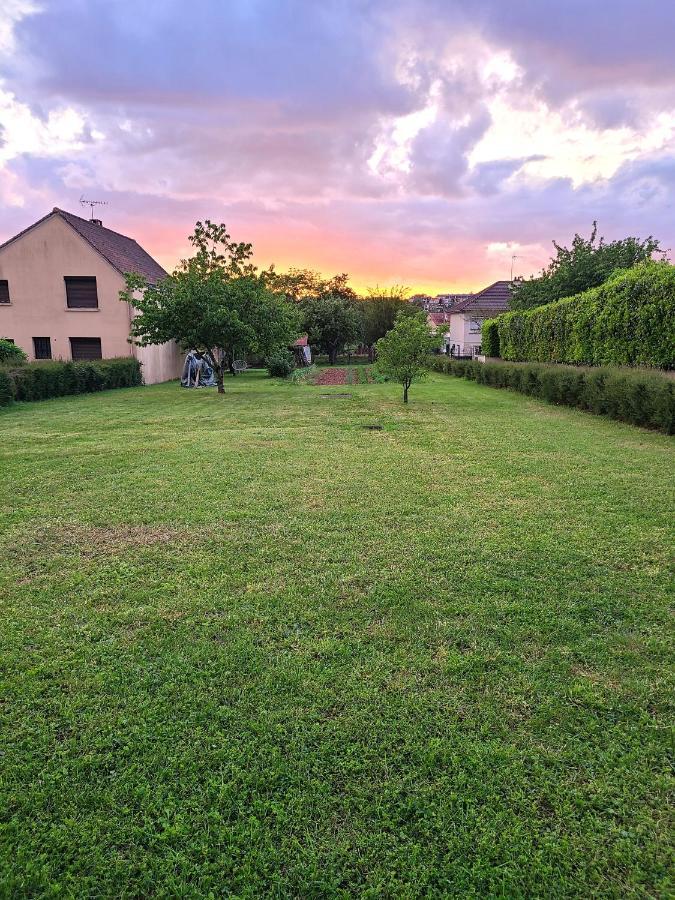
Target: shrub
column 490, row 337
column 280, row 364
column 639, row 398
column 10, row 353
column 42, row 380
column 6, row 392
column 628, row 321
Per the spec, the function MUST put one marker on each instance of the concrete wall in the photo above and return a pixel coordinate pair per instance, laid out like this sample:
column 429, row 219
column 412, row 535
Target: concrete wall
column 35, row 265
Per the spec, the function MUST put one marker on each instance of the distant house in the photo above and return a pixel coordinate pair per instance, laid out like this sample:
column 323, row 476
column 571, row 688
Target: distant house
column 60, row 280
column 465, row 319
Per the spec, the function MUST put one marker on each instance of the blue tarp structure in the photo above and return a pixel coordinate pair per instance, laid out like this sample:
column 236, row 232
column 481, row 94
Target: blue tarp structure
column 197, row 372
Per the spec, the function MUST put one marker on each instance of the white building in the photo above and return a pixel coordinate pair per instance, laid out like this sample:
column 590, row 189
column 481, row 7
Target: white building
column 464, row 321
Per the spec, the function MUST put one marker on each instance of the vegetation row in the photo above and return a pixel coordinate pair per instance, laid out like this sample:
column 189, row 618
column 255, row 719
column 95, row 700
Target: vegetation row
column 42, row 380
column 627, row 321
column 638, row 398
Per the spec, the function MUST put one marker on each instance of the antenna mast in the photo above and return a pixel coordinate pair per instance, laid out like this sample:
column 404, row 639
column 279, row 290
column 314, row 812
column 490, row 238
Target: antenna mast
column 92, row 203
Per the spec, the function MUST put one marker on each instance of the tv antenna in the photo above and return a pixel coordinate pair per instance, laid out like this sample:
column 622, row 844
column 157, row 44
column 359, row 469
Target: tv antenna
column 92, row 203
column 513, row 259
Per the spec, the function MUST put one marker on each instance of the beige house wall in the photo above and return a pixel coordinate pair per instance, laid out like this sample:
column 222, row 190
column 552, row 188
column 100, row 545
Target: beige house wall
column 35, row 265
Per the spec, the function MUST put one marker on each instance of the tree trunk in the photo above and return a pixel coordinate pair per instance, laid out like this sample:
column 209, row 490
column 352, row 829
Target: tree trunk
column 230, row 364
column 332, row 356
column 218, row 367
column 406, row 385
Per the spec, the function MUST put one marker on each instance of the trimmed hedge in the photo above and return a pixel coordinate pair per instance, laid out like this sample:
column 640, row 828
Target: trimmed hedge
column 627, row 321
column 42, row 380
column 638, row 398
column 490, row 337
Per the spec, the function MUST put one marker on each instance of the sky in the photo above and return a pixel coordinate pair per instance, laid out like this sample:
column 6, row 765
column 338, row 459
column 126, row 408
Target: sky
column 414, row 142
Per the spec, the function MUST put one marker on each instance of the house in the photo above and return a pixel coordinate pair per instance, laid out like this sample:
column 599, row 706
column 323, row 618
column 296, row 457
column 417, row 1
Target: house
column 465, row 319
column 60, row 280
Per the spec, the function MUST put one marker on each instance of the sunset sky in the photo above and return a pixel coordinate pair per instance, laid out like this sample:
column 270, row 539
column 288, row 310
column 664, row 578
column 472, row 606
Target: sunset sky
column 419, row 142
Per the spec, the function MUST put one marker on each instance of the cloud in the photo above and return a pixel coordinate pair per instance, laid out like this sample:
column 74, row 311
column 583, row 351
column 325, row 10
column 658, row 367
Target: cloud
column 399, row 140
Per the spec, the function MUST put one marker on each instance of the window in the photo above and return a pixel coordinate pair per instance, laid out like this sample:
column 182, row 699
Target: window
column 475, row 326
column 81, row 293
column 4, row 291
column 42, row 348
column 85, row 348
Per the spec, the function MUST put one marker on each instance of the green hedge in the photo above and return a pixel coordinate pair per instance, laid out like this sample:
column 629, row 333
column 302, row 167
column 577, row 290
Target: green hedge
column 638, row 398
column 42, row 380
column 628, row 321
column 490, row 338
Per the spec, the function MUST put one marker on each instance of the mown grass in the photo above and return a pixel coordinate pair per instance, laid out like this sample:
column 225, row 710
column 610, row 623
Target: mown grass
column 251, row 648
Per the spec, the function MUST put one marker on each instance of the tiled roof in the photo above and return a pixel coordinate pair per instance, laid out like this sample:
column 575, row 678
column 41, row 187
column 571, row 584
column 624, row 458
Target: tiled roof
column 438, row 318
column 301, row 341
column 123, row 253
column 491, row 301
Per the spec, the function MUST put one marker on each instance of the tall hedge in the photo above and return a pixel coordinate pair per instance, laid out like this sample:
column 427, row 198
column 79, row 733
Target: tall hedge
column 42, row 380
column 628, row 321
column 639, row 398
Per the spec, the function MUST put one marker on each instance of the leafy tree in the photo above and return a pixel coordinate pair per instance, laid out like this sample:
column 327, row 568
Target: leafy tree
column 586, row 264
column 379, row 311
column 331, row 321
column 302, row 284
column 215, row 302
column 10, row 352
column 404, row 353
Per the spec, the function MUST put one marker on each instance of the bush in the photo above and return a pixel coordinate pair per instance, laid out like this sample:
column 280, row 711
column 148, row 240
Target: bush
column 639, row 398
column 6, row 392
column 628, row 321
column 490, row 338
column 10, row 353
column 42, row 380
column 280, row 364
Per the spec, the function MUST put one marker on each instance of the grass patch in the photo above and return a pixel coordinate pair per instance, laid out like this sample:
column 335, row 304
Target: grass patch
column 252, row 648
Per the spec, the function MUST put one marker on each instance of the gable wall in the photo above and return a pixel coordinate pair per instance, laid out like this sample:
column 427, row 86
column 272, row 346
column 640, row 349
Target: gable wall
column 35, row 265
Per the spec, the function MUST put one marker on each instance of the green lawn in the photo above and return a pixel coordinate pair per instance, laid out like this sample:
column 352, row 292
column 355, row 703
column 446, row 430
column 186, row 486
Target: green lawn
column 251, row 648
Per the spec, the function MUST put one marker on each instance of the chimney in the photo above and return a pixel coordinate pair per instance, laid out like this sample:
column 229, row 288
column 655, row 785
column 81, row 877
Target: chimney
column 96, row 222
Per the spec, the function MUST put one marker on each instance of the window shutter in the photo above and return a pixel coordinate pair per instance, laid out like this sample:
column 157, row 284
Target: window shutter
column 85, row 348
column 42, row 348
column 81, row 292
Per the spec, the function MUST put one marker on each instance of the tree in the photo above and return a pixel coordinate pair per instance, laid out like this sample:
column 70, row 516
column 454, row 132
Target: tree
column 302, row 284
column 379, row 310
column 215, row 302
column 331, row 321
column 404, row 353
column 586, row 264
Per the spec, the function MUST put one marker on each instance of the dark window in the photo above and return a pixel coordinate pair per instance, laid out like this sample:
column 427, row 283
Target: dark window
column 4, row 291
column 42, row 348
column 85, row 348
column 81, row 293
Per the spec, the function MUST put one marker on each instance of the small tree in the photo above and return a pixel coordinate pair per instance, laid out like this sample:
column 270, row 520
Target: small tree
column 379, row 310
column 215, row 302
column 403, row 354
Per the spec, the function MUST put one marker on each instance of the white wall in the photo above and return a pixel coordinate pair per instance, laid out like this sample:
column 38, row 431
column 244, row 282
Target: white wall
column 460, row 333
column 162, row 362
